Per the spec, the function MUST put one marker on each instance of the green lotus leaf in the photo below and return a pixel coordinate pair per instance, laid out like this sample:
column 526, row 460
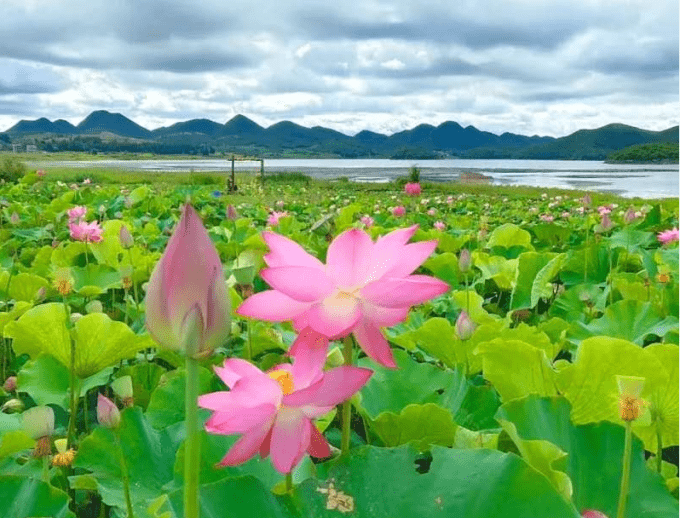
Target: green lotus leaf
column 468, row 440
column 22, row 497
column 630, row 239
column 528, row 266
column 477, row 313
column 446, row 242
column 516, row 368
column 509, row 236
column 31, row 379
column 631, row 320
column 14, row 442
column 556, row 330
column 590, row 382
column 542, row 287
column 346, row 216
column 94, row 279
column 243, row 497
column 667, row 257
column 24, row 287
column 163, row 409
column 663, row 401
column 42, row 263
column 139, row 194
column 630, row 286
column 499, row 269
column 17, row 310
column 99, row 341
column 472, row 483
column 390, row 390
column 422, row 424
column 65, row 254
column 551, row 234
column 108, row 249
column 578, row 301
column 594, row 454
column 594, row 258
column 149, row 455
column 436, row 337
column 445, row 267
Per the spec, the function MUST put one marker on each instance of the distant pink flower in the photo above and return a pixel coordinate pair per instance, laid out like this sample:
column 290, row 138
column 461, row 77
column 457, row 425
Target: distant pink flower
column 398, row 211
column 363, row 286
column 274, row 410
column 548, row 218
column 565, row 215
column 449, row 200
column 591, row 513
column 275, row 217
column 40, row 173
column 431, row 212
column 231, row 213
column 412, row 189
column 280, row 204
column 439, row 225
column 668, row 236
column 367, row 221
column 604, row 209
column 629, row 216
column 76, row 214
column 87, row 181
column 89, row 232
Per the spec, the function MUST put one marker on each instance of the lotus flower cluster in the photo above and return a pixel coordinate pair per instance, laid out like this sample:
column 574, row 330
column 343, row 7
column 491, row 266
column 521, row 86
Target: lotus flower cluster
column 668, row 236
column 79, row 229
column 363, row 286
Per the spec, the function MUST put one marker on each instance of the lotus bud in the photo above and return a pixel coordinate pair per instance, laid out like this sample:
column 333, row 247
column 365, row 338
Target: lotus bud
column 629, row 215
column 94, row 306
column 10, row 384
column 591, row 513
column 630, row 388
column 38, row 422
column 231, row 213
column 122, row 387
column 14, row 218
column 13, row 406
column 108, row 414
column 465, row 327
column 75, row 317
column 586, row 200
column 606, row 223
column 187, row 304
column 126, row 240
column 464, row 261
column 40, row 294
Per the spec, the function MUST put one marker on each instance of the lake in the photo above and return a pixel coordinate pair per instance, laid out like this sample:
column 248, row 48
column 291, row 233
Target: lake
column 630, row 180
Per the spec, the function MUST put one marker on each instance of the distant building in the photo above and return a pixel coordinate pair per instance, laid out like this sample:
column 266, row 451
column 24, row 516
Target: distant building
column 30, row 148
column 16, row 148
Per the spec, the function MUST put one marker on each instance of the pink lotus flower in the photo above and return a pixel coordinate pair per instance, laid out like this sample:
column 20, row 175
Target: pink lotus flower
column 88, row 232
column 87, row 181
column 431, row 212
column 40, row 173
column 591, row 513
column 274, row 218
column 367, row 221
column 187, row 305
column 362, row 287
column 274, row 410
column 399, row 211
column 439, row 225
column 604, row 209
column 412, row 189
column 548, row 218
column 668, row 236
column 76, row 214
column 449, row 200
column 231, row 213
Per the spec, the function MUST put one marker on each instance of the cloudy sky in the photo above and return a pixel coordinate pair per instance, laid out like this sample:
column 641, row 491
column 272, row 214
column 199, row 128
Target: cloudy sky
column 546, row 67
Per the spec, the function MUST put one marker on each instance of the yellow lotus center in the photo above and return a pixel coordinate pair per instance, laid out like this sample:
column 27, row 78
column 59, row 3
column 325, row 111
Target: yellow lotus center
column 284, row 379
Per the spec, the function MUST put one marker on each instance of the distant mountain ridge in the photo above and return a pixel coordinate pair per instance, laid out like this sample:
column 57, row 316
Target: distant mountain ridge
column 240, row 134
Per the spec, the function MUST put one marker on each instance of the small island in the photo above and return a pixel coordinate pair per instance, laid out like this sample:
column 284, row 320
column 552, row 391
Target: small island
column 657, row 153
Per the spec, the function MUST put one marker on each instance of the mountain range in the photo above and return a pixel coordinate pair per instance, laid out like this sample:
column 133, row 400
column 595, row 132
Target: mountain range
column 285, row 138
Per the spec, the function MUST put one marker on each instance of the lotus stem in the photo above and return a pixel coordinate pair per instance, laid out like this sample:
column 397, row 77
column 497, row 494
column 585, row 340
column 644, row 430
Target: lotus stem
column 659, row 448
column 347, row 405
column 289, row 482
column 46, row 469
column 625, row 476
column 125, row 475
column 192, row 445
column 134, row 285
column 587, row 251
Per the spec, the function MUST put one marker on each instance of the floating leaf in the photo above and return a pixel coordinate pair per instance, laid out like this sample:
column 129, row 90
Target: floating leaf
column 509, row 236
column 422, row 424
column 22, row 497
column 541, row 287
column 528, row 266
column 25, row 286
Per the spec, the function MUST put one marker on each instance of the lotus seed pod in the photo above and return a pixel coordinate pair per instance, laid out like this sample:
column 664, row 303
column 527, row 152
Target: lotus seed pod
column 94, row 306
column 122, row 387
column 61, row 444
column 630, row 388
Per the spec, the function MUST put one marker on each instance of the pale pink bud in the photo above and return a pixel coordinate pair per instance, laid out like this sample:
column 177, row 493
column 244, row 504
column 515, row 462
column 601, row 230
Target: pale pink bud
column 108, row 414
column 398, row 211
column 439, row 225
column 367, row 221
column 431, row 212
column 10, row 384
column 464, row 261
column 187, row 304
column 231, row 213
column 14, row 218
column 591, row 513
column 465, row 327
column 126, row 239
column 629, row 215
column 40, row 294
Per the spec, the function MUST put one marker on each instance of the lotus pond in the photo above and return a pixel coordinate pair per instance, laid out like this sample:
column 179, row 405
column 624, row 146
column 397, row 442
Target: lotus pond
column 322, row 349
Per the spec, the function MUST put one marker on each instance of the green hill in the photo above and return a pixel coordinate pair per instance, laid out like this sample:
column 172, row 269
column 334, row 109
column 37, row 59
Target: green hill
column 657, row 152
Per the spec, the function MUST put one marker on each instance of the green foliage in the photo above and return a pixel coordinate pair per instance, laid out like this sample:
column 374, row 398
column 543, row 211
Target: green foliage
column 656, row 152
column 11, row 169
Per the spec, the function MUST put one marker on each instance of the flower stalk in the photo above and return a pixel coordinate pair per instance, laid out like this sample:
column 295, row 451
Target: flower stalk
column 125, row 475
column 347, row 405
column 625, row 476
column 192, row 446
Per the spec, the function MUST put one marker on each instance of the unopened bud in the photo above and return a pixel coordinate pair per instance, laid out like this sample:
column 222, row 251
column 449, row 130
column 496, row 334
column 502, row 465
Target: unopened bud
column 40, row 294
column 231, row 213
column 464, row 261
column 10, row 384
column 465, row 327
column 12, row 406
column 126, row 239
column 629, row 215
column 14, row 218
column 108, row 414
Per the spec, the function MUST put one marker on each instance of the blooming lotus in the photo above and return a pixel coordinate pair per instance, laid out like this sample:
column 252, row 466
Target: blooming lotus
column 412, row 189
column 76, row 214
column 668, row 236
column 398, row 211
column 367, row 221
column 439, row 225
column 89, row 232
column 273, row 410
column 187, row 305
column 275, row 217
column 362, row 287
